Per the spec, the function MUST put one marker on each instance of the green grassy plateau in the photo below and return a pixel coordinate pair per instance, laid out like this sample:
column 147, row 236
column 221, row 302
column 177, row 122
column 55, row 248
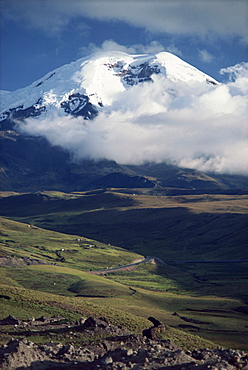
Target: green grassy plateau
column 201, row 238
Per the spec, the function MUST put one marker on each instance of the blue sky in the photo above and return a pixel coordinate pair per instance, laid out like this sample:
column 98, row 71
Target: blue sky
column 38, row 36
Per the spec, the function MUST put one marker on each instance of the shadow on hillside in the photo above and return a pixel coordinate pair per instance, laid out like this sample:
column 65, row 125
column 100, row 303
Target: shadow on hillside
column 167, row 233
column 34, row 204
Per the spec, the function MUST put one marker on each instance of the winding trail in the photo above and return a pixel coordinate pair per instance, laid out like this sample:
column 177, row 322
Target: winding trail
column 130, row 267
column 156, row 261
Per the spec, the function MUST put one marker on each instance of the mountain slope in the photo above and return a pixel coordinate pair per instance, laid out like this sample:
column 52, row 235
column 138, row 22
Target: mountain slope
column 87, row 88
column 84, row 86
column 29, row 163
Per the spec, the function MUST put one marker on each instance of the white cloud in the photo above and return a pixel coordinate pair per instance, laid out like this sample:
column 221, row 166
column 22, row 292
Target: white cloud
column 237, row 71
column 107, row 45
column 205, row 56
column 152, row 48
column 238, row 78
column 38, row 14
column 111, row 45
column 188, row 125
column 178, row 17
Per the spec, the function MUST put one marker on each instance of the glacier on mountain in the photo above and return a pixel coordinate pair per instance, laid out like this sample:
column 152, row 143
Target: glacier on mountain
column 92, row 82
column 135, row 109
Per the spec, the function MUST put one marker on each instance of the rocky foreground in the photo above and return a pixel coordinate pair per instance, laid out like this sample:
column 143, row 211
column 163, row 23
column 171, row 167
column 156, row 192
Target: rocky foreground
column 120, row 350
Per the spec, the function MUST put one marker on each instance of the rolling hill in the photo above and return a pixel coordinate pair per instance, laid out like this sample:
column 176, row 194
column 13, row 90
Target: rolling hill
column 47, row 273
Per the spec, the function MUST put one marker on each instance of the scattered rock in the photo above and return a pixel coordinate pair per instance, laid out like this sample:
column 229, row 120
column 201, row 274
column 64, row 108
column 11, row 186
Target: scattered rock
column 81, row 321
column 93, row 323
column 117, row 352
column 45, row 320
column 107, row 360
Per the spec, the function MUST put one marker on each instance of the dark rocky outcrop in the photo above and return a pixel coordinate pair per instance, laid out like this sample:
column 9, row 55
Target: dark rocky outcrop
column 10, row 320
column 79, row 105
column 156, row 330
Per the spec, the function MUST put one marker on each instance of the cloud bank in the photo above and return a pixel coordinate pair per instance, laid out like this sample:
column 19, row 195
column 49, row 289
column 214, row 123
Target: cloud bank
column 190, row 125
column 178, row 17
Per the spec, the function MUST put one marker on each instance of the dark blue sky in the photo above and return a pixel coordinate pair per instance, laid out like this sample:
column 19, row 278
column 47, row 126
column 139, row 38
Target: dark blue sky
column 38, row 36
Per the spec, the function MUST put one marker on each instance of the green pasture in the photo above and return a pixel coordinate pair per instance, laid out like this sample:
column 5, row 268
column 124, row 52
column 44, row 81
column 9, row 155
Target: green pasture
column 24, row 303
column 104, row 294
column 181, row 227
column 22, row 240
column 213, row 293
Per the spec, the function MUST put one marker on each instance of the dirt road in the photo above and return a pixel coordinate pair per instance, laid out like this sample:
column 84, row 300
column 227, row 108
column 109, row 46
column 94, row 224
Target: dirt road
column 132, row 266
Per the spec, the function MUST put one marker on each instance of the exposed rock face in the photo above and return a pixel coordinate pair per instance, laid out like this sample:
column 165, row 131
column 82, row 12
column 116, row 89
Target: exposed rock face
column 20, row 113
column 121, row 350
column 79, row 105
column 135, row 74
column 76, row 105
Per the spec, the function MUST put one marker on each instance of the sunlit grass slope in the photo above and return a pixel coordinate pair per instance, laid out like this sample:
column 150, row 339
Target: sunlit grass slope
column 64, row 287
column 205, row 226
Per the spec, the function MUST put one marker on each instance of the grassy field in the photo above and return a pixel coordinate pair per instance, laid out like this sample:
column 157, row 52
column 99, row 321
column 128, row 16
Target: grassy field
column 212, row 293
column 29, row 303
column 173, row 228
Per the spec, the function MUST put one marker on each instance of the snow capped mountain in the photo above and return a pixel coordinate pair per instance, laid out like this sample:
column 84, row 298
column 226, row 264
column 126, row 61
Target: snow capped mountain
column 83, row 87
column 154, row 116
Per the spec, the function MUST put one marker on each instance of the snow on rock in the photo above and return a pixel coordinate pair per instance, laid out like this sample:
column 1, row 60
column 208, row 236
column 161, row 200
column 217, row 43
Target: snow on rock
column 84, row 86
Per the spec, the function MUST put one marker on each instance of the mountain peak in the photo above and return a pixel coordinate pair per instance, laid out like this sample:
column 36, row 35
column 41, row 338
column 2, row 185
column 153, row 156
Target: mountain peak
column 83, row 87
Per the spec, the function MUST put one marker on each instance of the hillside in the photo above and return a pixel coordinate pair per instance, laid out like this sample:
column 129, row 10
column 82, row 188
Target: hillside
column 199, row 227
column 212, row 292
column 41, row 279
column 31, row 163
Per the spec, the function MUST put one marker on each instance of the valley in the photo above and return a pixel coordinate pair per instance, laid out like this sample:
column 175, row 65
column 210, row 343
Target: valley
column 52, row 242
column 124, row 202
